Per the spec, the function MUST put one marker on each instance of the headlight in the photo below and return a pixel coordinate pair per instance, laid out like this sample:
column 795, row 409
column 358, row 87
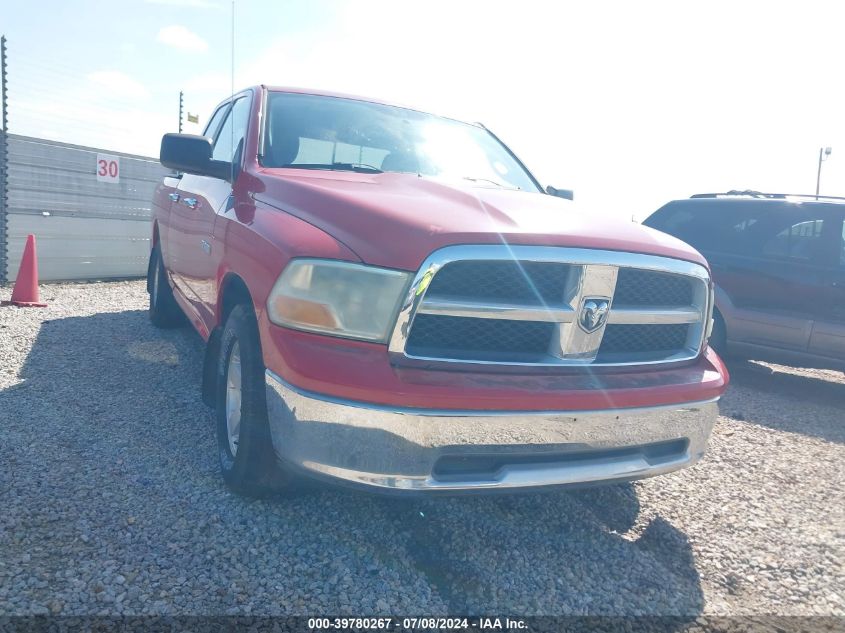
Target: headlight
column 340, row 298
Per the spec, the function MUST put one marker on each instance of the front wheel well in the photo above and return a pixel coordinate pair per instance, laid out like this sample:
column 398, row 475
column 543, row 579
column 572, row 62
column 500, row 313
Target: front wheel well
column 234, row 292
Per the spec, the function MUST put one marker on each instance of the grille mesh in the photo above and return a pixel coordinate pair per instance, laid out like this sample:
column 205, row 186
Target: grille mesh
column 552, row 283
column 519, row 282
column 459, row 337
column 635, row 286
column 643, row 339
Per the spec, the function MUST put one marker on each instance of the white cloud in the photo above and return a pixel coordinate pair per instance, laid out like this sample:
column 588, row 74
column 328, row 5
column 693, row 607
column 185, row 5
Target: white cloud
column 119, row 84
column 190, row 4
column 179, row 37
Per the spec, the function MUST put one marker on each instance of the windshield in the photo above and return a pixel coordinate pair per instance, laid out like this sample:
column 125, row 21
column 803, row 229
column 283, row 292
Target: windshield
column 315, row 132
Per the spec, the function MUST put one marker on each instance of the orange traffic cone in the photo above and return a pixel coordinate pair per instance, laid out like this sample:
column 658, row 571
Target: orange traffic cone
column 25, row 292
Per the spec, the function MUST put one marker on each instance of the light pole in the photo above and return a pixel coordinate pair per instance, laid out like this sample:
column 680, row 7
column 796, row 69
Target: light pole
column 824, row 152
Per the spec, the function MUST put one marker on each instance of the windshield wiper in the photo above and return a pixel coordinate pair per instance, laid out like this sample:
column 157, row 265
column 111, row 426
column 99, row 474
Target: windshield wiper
column 362, row 168
column 494, row 182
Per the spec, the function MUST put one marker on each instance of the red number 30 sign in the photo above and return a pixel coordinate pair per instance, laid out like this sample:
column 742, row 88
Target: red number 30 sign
column 108, row 168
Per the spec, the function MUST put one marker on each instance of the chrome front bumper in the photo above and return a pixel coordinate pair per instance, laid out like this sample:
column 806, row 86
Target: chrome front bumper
column 429, row 450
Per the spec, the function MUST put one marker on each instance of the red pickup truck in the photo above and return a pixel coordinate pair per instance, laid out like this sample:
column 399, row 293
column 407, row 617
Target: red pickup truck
column 391, row 300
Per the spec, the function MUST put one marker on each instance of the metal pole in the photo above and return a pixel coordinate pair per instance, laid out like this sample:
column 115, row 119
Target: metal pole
column 4, row 167
column 819, row 173
column 180, row 111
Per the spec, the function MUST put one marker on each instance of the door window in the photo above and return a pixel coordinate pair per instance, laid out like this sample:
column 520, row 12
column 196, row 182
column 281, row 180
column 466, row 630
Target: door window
column 800, row 241
column 720, row 227
column 233, row 131
column 214, row 123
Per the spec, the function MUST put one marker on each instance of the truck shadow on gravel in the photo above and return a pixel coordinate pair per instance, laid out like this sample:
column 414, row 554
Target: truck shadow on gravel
column 107, row 433
column 553, row 553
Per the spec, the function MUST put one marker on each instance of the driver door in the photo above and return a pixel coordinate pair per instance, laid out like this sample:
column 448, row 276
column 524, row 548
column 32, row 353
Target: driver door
column 201, row 200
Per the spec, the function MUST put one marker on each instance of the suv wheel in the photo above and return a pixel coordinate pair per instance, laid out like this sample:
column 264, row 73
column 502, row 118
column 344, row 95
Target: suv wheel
column 164, row 311
column 245, row 450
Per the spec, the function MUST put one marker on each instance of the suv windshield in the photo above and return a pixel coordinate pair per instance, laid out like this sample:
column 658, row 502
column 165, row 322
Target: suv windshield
column 317, row 132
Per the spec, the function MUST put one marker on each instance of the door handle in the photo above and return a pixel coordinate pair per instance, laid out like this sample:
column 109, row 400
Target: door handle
column 190, row 202
column 174, row 197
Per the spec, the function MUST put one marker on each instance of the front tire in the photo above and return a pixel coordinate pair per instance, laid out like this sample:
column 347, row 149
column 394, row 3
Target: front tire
column 245, row 450
column 164, row 311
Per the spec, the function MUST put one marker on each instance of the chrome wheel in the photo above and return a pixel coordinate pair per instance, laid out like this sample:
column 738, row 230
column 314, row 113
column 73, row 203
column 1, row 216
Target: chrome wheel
column 233, row 398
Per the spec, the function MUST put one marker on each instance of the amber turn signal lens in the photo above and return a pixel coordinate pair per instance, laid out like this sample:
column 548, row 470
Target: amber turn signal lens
column 338, row 298
column 306, row 312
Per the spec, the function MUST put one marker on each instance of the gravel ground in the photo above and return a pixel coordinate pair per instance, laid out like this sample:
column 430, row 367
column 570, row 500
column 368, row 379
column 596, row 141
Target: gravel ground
column 111, row 503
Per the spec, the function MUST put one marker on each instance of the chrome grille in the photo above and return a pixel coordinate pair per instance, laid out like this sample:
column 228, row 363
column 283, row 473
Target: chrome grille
column 659, row 340
column 523, row 282
column 469, row 338
column 552, row 306
column 635, row 286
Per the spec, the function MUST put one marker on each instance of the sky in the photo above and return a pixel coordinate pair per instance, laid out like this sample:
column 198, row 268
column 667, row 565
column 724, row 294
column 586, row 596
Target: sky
column 630, row 104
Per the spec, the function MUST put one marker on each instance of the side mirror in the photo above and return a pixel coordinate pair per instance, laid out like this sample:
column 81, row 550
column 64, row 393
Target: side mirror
column 568, row 194
column 192, row 154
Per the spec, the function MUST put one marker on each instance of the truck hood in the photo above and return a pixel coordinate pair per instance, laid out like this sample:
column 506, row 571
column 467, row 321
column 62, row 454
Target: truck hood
column 396, row 220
